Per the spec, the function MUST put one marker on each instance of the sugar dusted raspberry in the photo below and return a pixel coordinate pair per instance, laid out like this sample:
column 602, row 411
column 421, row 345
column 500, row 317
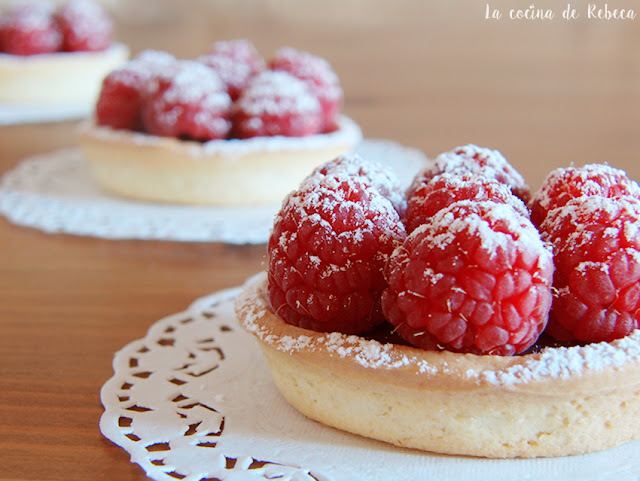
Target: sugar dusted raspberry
column 318, row 74
column 236, row 62
column 444, row 189
column 376, row 174
column 119, row 103
column 240, row 49
column 475, row 278
column 30, row 29
column 154, row 60
column 596, row 242
column 564, row 184
column 276, row 103
column 327, row 251
column 476, row 160
column 188, row 101
column 85, row 26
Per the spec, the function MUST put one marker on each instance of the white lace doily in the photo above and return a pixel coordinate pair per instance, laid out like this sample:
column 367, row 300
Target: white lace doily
column 55, row 193
column 194, row 401
column 18, row 114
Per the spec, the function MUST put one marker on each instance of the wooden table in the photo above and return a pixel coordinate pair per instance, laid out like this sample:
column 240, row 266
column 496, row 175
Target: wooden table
column 427, row 74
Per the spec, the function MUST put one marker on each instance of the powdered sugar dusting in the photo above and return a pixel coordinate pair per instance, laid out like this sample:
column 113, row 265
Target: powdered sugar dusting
column 590, row 180
column 231, row 71
column 277, row 93
column 367, row 353
column 568, row 225
column 341, row 204
column 380, row 177
column 290, row 343
column 313, row 69
column 137, row 72
column 252, row 306
column 478, row 219
column 30, row 17
column 90, row 23
column 423, row 197
column 233, row 149
column 565, row 363
column 472, row 159
column 551, row 363
column 241, row 50
column 189, row 82
column 236, row 61
column 153, row 60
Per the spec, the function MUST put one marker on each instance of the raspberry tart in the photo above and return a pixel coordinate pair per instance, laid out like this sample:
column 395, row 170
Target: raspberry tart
column 53, row 58
column 224, row 129
column 473, row 332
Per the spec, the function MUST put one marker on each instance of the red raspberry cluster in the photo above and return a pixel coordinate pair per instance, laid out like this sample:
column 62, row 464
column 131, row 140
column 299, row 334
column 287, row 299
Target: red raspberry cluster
column 464, row 267
column 231, row 92
column 593, row 223
column 35, row 28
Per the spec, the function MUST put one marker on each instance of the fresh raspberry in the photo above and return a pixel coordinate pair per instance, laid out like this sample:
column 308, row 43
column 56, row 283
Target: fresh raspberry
column 241, row 50
column 379, row 176
column 187, row 101
column 476, row 277
column 596, row 242
column 29, row 30
column 155, row 60
column 327, row 251
column 276, row 103
column 235, row 61
column 564, row 184
column 119, row 103
column 444, row 189
column 318, row 75
column 476, row 160
column 85, row 26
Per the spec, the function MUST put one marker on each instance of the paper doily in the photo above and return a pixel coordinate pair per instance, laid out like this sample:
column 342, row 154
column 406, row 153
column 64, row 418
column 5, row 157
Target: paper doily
column 55, row 193
column 194, row 401
column 17, row 114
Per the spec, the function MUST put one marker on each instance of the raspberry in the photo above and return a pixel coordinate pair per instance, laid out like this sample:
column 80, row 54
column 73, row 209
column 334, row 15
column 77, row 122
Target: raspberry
column 327, row 251
column 241, row 50
column 596, row 243
column 276, row 103
column 318, row 75
column 445, row 189
column 380, row 177
column 119, row 103
column 235, row 61
column 29, row 30
column 85, row 26
column 187, row 101
column 564, row 184
column 155, row 60
column 476, row 160
column 476, row 277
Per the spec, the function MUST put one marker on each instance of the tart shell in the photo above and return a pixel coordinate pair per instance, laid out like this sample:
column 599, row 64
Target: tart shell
column 57, row 79
column 557, row 402
column 261, row 170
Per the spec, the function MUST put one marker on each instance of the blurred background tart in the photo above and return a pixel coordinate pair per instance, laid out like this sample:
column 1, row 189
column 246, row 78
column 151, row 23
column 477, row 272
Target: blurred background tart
column 227, row 128
column 56, row 56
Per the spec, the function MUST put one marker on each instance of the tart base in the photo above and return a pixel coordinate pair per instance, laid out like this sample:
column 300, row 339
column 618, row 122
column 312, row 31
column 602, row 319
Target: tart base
column 56, row 79
column 558, row 402
column 262, row 170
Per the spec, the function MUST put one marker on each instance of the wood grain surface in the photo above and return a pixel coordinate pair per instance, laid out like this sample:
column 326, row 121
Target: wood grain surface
column 431, row 75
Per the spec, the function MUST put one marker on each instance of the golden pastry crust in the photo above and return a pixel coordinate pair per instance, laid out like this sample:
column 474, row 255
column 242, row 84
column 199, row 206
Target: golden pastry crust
column 57, row 79
column 261, row 170
column 560, row 401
